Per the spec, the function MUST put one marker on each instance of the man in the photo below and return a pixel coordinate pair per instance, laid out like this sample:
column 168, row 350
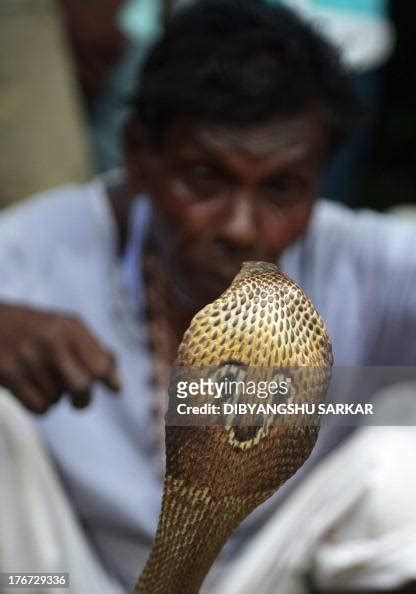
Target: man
column 239, row 107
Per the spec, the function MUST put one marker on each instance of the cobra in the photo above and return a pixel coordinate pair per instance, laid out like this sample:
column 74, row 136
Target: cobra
column 216, row 475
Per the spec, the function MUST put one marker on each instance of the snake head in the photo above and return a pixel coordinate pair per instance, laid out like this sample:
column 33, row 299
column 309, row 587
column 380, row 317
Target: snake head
column 263, row 328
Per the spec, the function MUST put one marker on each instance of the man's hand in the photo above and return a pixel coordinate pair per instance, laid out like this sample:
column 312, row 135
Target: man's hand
column 44, row 354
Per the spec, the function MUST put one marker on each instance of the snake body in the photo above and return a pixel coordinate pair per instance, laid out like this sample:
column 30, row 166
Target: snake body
column 216, row 475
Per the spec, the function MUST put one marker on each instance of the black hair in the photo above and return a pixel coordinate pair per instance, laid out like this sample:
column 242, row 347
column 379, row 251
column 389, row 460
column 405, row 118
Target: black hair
column 240, row 62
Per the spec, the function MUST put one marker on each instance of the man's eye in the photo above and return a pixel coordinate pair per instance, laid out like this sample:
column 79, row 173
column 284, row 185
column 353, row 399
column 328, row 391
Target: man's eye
column 283, row 189
column 204, row 180
column 203, row 173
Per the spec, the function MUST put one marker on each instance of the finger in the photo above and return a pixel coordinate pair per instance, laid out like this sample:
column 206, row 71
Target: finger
column 31, row 397
column 81, row 399
column 113, row 379
column 10, row 373
column 13, row 378
column 74, row 378
column 100, row 363
column 34, row 369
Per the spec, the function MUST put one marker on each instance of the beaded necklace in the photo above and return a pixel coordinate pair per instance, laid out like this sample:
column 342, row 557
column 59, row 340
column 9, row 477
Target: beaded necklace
column 163, row 342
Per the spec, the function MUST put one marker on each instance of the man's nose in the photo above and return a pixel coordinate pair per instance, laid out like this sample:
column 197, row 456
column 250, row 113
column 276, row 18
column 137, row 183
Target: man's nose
column 239, row 227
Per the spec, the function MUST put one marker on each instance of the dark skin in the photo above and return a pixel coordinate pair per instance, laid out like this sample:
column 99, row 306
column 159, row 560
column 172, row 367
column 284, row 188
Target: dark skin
column 222, row 195
column 44, row 354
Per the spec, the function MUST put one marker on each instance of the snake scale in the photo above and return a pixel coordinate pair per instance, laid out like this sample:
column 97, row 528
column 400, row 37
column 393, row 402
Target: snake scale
column 216, row 475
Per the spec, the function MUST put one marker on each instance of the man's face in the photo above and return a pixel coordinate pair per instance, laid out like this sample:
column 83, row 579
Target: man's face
column 223, row 195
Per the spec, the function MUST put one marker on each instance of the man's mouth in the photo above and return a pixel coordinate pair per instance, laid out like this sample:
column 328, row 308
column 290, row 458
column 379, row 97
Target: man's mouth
column 210, row 273
column 216, row 276
column 222, row 268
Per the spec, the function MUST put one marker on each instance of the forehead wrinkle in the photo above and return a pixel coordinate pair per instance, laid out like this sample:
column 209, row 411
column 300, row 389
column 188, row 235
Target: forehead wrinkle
column 289, row 145
column 237, row 158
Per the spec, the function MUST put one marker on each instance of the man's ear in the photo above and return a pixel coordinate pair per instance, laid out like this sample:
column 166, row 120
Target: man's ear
column 141, row 156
